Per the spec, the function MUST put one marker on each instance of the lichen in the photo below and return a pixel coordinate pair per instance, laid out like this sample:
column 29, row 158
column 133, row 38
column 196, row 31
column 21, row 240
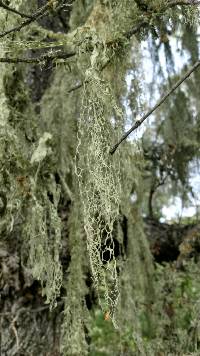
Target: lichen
column 73, row 339
column 99, row 185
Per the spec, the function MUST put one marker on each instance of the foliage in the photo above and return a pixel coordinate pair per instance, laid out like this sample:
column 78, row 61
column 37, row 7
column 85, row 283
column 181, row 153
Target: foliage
column 175, row 321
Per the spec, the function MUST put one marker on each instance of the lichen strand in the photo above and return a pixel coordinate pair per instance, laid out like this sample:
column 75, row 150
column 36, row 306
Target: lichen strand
column 99, row 184
column 58, row 111
column 136, row 268
column 42, row 233
column 73, row 338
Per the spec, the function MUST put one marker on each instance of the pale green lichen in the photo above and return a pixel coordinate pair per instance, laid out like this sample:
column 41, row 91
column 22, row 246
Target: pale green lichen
column 73, row 340
column 98, row 177
column 42, row 233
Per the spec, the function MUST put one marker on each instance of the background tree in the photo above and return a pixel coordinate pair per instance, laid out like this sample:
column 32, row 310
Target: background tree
column 81, row 207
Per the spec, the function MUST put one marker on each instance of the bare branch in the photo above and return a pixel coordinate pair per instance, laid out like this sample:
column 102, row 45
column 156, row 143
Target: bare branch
column 158, row 104
column 8, row 8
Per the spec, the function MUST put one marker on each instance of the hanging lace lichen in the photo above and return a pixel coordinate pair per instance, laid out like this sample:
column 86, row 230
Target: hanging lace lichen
column 43, row 234
column 99, row 182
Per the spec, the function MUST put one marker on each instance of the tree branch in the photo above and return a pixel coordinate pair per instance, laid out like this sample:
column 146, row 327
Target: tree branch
column 25, row 23
column 8, row 8
column 153, row 190
column 145, row 23
column 42, row 11
column 36, row 16
column 183, row 3
column 44, row 58
column 156, row 106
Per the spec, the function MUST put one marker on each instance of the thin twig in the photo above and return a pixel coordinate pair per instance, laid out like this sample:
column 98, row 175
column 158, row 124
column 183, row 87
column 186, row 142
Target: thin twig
column 78, row 86
column 65, row 186
column 153, row 189
column 156, row 106
column 8, row 8
column 13, row 327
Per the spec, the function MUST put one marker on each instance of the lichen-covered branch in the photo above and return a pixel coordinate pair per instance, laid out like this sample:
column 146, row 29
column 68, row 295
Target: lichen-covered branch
column 145, row 20
column 36, row 16
column 38, row 60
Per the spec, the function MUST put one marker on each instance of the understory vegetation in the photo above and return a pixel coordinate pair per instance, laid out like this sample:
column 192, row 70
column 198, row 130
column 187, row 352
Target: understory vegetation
column 90, row 264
